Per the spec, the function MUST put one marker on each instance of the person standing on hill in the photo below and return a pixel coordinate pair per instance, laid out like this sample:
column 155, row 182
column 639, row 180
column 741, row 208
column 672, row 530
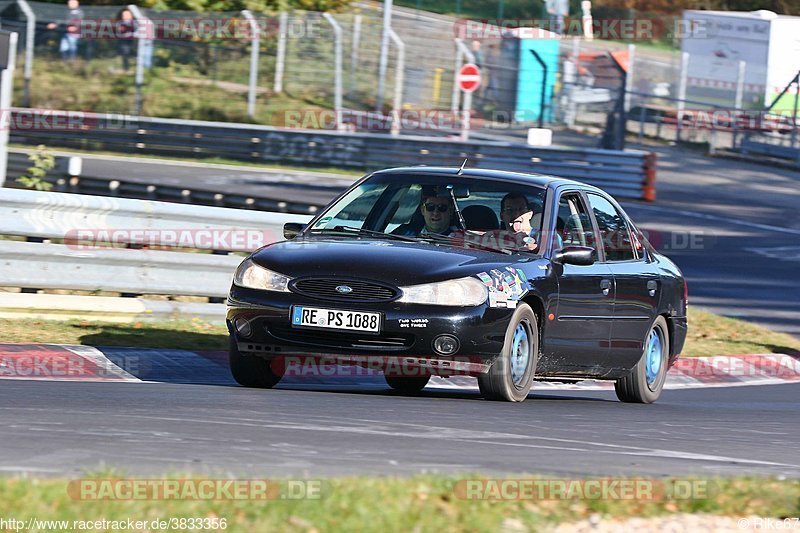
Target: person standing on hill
column 68, row 46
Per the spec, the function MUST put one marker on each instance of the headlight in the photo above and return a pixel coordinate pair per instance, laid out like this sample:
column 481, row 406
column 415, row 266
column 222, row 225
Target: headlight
column 252, row 276
column 458, row 292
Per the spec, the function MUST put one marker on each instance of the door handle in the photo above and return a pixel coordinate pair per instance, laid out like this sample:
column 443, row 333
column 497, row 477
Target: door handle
column 652, row 286
column 605, row 285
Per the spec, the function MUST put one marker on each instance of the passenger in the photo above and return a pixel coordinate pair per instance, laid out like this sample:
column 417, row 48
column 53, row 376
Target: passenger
column 518, row 217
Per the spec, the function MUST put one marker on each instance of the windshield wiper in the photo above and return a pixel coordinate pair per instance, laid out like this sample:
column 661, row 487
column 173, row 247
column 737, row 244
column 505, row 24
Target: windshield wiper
column 452, row 241
column 350, row 230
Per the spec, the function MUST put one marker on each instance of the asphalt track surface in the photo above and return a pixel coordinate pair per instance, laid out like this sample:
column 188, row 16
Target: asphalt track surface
column 65, row 428
column 746, row 266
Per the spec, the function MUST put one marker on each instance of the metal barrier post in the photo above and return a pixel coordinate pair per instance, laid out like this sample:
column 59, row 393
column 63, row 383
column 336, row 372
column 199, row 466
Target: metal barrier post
column 255, row 43
column 144, row 28
column 30, row 37
column 6, row 88
column 794, row 113
column 682, row 94
column 740, row 85
column 455, row 101
column 629, row 77
column 283, row 22
column 642, row 110
column 544, row 87
column 384, row 57
column 337, row 68
column 354, row 52
column 712, row 141
column 649, row 185
column 398, row 83
column 464, row 51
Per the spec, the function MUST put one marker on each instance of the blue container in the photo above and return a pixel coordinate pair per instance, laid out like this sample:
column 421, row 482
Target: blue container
column 531, row 76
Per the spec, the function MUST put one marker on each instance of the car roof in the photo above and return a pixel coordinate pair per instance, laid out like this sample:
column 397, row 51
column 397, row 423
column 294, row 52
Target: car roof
column 542, row 180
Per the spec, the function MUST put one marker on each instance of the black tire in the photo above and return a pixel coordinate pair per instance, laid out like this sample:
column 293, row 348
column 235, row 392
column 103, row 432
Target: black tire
column 498, row 383
column 251, row 370
column 634, row 387
column 407, row 383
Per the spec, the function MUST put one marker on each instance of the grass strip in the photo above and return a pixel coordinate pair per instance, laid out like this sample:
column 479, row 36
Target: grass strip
column 419, row 503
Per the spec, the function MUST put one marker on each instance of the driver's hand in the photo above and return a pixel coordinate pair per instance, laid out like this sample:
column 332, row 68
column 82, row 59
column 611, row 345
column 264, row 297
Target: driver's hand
column 522, row 224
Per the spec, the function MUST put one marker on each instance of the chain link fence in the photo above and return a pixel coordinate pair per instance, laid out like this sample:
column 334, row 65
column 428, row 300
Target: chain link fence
column 318, row 70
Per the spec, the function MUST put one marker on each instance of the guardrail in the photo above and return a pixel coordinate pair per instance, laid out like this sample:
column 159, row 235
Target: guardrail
column 779, row 151
column 64, row 181
column 88, row 223
column 628, row 174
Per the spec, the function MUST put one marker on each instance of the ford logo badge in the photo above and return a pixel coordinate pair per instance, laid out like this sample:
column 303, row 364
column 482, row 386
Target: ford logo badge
column 344, row 289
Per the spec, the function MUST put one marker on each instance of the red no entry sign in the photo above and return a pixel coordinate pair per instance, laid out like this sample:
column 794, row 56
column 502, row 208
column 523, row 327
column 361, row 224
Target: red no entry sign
column 469, row 78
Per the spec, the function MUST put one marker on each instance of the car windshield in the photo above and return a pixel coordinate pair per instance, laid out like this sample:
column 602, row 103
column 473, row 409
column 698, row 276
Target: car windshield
column 440, row 209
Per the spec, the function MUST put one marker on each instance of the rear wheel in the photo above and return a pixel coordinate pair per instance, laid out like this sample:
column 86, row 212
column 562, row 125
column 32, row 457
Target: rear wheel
column 251, row 370
column 646, row 379
column 407, row 383
column 511, row 375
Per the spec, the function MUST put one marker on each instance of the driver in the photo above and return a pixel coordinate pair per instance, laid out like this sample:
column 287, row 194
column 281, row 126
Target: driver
column 437, row 210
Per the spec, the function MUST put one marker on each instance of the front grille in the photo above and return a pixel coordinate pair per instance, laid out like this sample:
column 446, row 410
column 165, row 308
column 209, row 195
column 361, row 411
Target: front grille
column 341, row 339
column 362, row 291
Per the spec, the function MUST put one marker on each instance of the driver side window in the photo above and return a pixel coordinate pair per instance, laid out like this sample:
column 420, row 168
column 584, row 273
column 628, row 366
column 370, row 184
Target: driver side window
column 573, row 225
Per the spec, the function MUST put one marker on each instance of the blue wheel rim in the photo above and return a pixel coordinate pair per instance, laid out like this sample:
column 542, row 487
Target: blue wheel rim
column 520, row 355
column 654, row 357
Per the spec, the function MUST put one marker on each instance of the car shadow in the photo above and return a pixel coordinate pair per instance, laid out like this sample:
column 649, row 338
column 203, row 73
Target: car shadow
column 160, row 356
column 210, row 368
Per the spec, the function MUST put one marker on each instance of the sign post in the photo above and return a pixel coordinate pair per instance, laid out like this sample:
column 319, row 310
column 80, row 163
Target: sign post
column 8, row 55
column 468, row 79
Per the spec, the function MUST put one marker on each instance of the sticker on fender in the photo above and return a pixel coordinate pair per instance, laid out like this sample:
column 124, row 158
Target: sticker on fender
column 315, row 317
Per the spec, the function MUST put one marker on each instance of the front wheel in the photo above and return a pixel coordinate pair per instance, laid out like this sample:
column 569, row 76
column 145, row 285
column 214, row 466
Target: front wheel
column 646, row 379
column 251, row 370
column 511, row 375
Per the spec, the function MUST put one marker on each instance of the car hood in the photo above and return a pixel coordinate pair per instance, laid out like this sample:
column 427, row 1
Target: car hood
column 395, row 262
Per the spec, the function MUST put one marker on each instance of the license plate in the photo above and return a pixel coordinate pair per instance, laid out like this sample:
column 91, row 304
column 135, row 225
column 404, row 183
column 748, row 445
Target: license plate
column 314, row 317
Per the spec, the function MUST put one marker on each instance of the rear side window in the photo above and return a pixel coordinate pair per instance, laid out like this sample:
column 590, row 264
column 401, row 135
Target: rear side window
column 614, row 231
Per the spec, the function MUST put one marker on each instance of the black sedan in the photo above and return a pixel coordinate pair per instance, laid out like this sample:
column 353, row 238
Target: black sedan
column 504, row 276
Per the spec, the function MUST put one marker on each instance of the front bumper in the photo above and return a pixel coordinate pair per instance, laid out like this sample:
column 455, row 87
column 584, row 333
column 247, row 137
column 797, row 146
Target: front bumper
column 407, row 334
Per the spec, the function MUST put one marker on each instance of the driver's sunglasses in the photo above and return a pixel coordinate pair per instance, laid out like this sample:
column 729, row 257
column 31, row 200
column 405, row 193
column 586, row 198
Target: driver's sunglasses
column 442, row 208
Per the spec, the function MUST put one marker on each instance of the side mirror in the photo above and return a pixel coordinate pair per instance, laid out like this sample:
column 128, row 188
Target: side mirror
column 292, row 229
column 575, row 255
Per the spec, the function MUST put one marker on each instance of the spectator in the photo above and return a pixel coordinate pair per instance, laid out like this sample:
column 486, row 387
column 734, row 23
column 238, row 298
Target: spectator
column 557, row 10
column 68, row 46
column 125, row 30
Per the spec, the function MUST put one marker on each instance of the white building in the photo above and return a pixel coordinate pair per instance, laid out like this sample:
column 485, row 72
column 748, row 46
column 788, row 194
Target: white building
column 768, row 43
